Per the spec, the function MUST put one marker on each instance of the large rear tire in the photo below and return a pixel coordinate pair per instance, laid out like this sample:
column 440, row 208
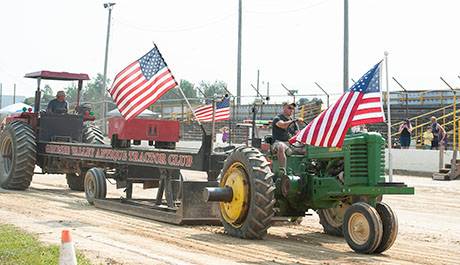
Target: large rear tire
column 75, row 181
column 92, row 134
column 250, row 212
column 95, row 184
column 18, row 150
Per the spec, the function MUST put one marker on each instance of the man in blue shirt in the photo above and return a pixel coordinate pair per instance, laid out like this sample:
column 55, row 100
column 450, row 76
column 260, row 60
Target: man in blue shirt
column 58, row 105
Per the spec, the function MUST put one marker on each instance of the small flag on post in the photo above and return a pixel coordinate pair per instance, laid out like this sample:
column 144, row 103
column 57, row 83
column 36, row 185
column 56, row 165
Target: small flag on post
column 204, row 113
column 360, row 105
column 141, row 84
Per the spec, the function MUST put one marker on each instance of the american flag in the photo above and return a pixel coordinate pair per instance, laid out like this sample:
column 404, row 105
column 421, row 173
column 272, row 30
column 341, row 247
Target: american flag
column 141, row 84
column 361, row 104
column 204, row 113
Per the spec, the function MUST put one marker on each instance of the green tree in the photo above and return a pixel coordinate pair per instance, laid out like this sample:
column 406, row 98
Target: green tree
column 187, row 87
column 47, row 94
column 92, row 93
column 71, row 93
column 210, row 89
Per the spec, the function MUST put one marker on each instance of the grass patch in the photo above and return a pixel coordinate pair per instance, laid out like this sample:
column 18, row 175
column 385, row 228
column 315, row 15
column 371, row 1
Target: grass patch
column 18, row 247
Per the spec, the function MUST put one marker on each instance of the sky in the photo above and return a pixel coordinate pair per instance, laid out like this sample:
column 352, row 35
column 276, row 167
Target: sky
column 294, row 42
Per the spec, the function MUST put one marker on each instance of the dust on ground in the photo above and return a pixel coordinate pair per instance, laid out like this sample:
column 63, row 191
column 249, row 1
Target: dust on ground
column 429, row 230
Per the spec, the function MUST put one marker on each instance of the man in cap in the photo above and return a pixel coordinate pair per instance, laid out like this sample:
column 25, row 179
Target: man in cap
column 280, row 133
column 58, row 105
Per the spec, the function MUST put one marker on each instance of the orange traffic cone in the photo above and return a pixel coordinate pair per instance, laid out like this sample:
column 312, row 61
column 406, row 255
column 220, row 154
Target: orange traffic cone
column 67, row 253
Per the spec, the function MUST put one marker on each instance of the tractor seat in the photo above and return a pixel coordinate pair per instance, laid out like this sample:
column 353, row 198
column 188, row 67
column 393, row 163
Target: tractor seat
column 295, row 151
column 269, row 139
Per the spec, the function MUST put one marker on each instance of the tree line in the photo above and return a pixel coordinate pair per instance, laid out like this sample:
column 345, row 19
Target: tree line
column 92, row 93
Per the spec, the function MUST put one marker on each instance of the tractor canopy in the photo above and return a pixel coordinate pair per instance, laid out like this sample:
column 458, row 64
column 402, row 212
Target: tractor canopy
column 64, row 76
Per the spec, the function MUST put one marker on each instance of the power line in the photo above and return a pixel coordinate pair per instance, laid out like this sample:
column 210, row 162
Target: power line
column 287, row 11
column 199, row 26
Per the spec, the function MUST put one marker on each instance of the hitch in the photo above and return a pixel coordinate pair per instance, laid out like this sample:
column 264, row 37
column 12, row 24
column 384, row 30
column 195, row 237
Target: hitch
column 218, row 194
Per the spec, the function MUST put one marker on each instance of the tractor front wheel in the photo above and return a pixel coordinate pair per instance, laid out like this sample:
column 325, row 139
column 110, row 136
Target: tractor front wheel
column 95, row 184
column 390, row 226
column 249, row 214
column 18, row 154
column 362, row 228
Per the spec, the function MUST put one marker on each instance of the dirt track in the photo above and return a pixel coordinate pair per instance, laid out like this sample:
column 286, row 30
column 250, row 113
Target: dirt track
column 429, row 231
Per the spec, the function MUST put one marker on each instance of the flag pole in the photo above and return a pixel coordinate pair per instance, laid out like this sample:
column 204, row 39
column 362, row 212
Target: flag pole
column 390, row 166
column 182, row 92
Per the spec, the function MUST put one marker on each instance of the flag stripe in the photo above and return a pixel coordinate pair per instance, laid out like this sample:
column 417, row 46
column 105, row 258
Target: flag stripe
column 134, row 92
column 148, row 103
column 141, row 84
column 127, row 80
column 138, row 101
column 122, row 73
column 205, row 113
column 362, row 104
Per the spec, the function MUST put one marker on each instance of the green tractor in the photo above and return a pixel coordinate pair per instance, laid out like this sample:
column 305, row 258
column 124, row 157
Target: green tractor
column 344, row 185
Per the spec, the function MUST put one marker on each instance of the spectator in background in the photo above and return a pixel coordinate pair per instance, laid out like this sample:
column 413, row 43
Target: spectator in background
column 439, row 134
column 404, row 131
column 427, row 138
column 225, row 134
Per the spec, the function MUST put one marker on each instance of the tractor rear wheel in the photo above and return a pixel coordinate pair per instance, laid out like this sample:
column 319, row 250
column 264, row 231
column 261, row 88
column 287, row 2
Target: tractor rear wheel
column 390, row 226
column 18, row 150
column 250, row 212
column 362, row 228
column 95, row 184
column 332, row 219
column 92, row 134
column 75, row 181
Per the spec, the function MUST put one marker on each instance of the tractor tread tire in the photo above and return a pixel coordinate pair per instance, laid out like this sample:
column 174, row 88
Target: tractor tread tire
column 24, row 155
column 261, row 189
column 75, row 181
column 92, row 135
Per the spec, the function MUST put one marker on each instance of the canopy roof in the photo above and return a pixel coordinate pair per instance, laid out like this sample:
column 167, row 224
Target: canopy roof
column 57, row 76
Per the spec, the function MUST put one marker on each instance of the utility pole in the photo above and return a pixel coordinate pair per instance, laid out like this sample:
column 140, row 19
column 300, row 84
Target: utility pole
column 238, row 67
column 268, row 92
column 108, row 6
column 14, row 94
column 258, row 75
column 345, row 46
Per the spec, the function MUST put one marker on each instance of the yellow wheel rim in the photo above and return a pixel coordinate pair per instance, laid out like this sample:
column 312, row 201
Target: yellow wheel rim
column 236, row 178
column 358, row 228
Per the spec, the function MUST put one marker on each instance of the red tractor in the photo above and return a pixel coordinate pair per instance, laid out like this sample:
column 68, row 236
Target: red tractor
column 69, row 144
column 20, row 134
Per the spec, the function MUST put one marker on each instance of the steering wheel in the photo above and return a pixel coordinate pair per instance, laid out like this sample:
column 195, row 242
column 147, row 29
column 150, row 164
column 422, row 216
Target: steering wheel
column 295, row 126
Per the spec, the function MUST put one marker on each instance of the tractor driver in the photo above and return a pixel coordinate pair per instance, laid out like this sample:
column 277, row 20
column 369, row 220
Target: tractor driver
column 58, row 105
column 281, row 135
